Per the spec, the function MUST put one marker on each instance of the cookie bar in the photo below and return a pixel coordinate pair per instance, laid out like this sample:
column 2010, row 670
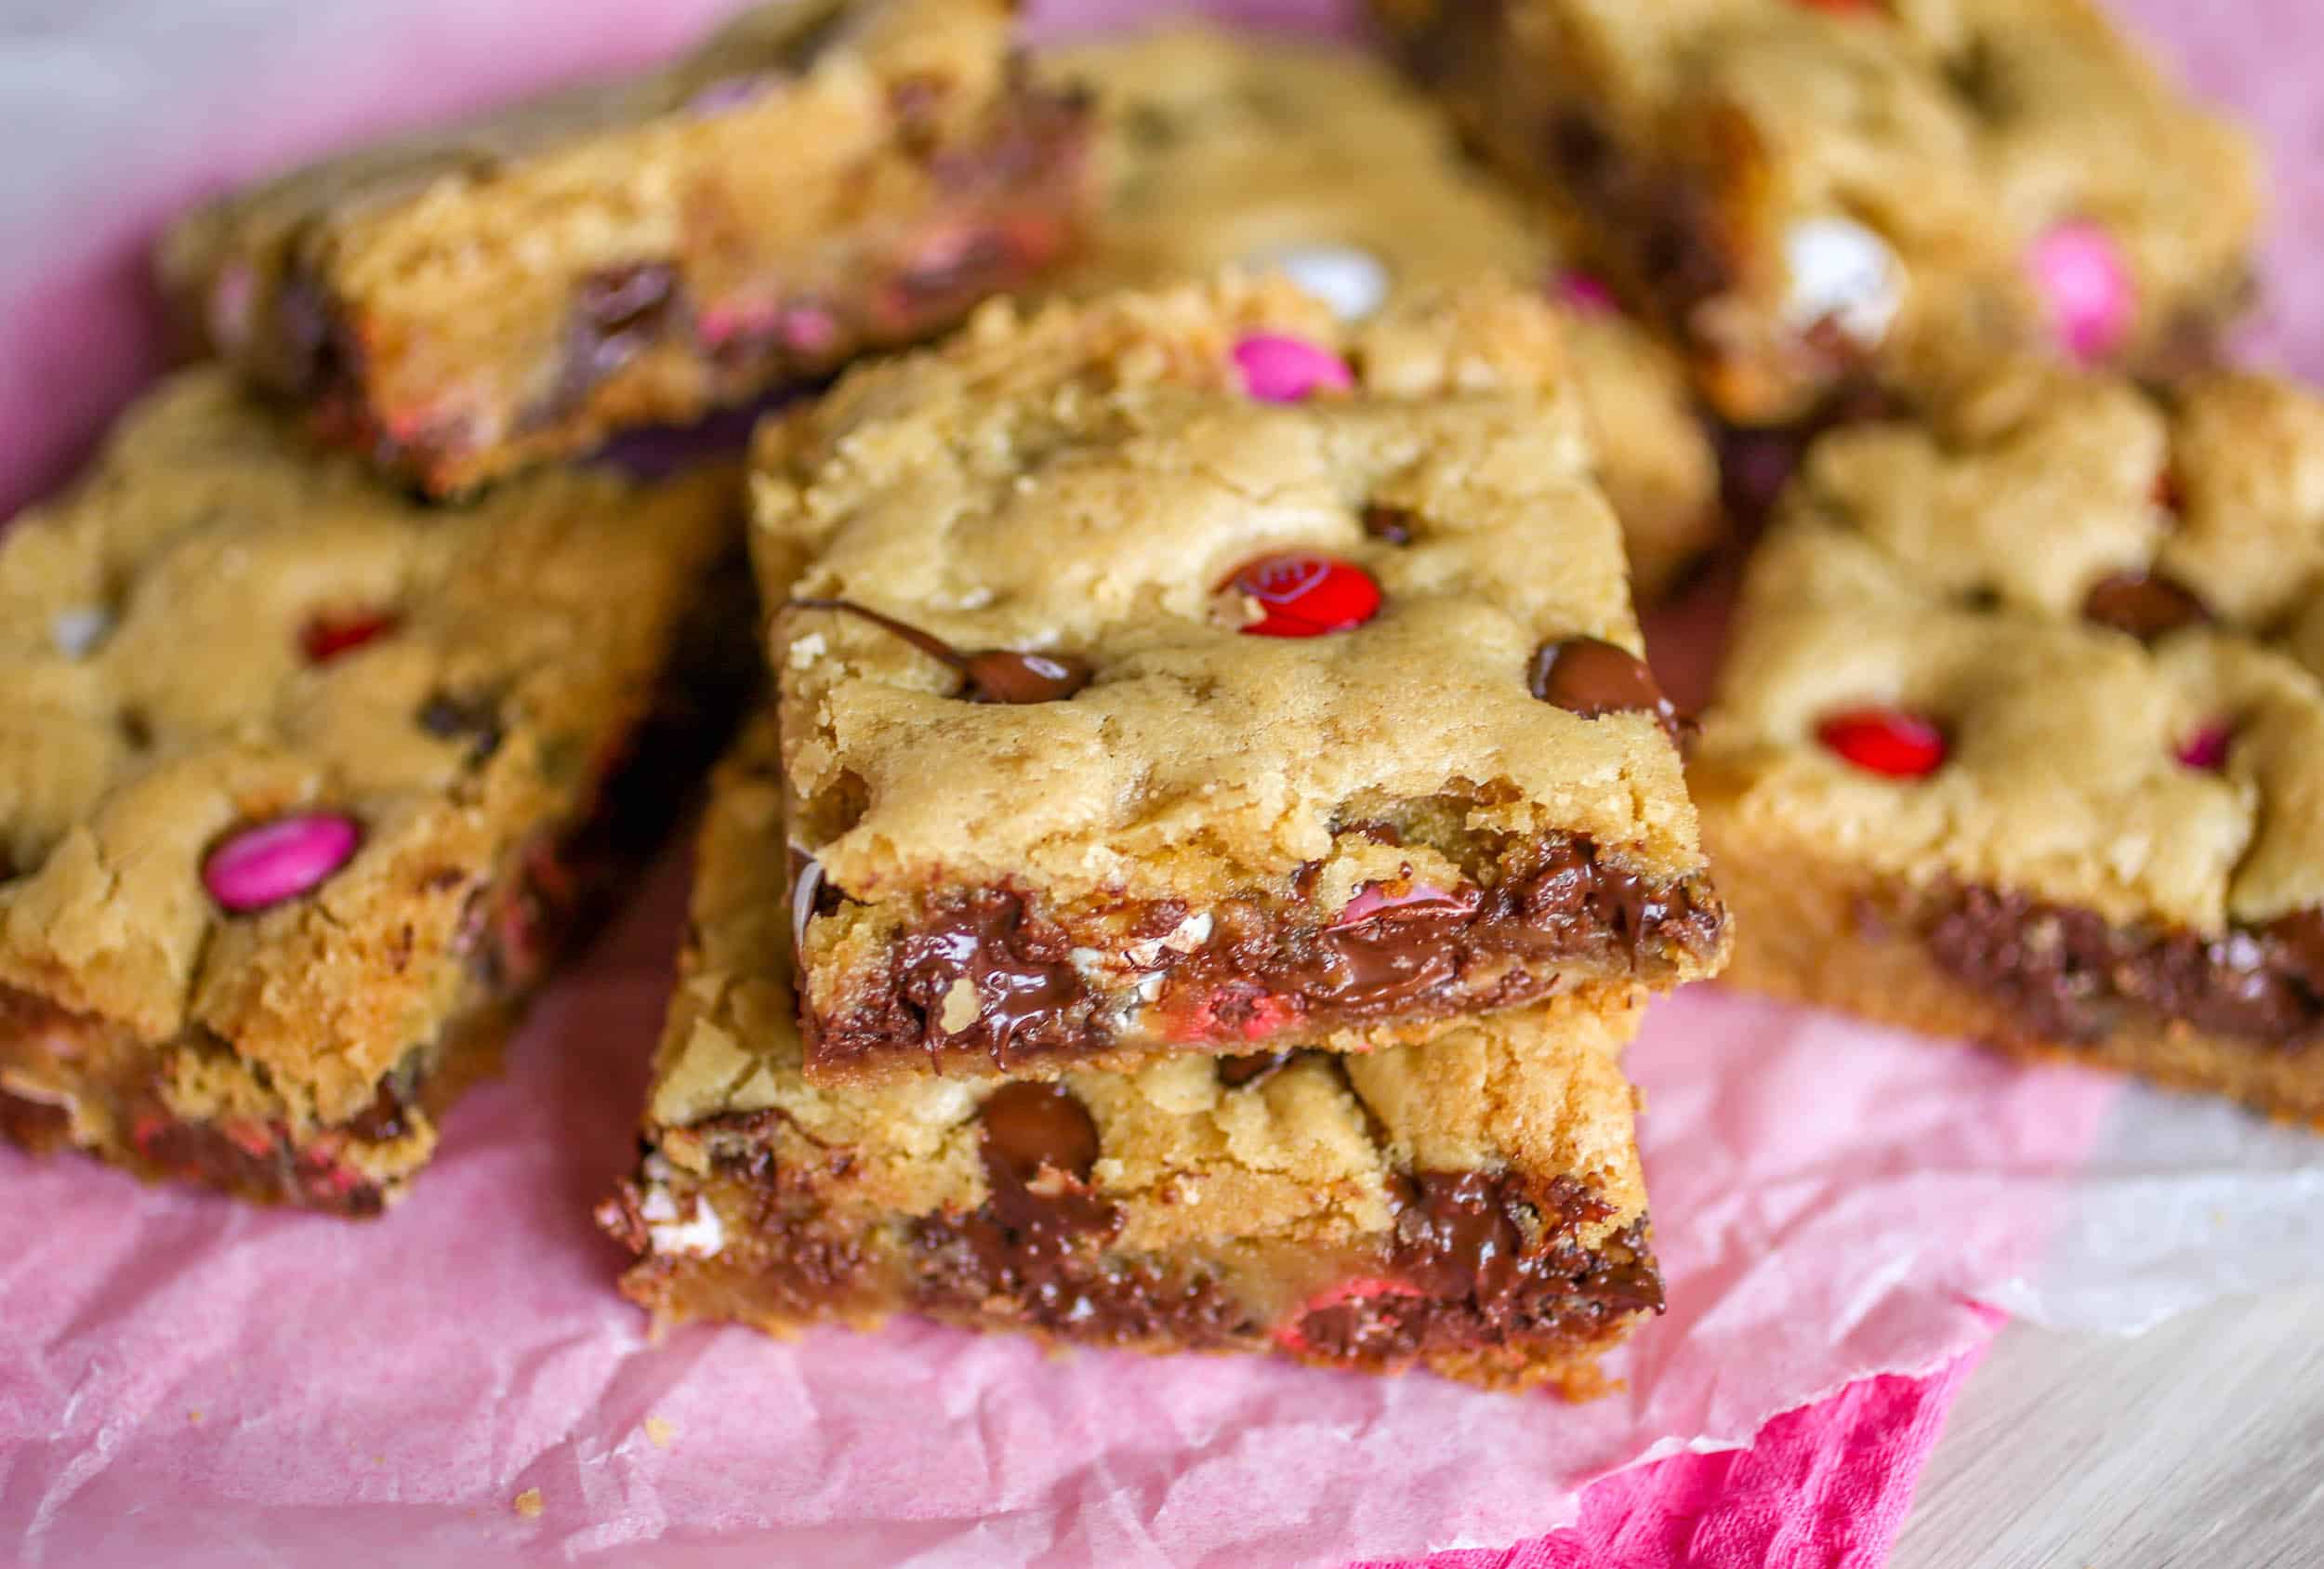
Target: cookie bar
column 1213, row 150
column 822, row 178
column 2022, row 735
column 307, row 780
column 1471, row 1206
column 1806, row 194
column 1194, row 671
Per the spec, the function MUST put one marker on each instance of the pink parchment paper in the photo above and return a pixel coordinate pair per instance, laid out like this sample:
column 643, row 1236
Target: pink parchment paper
column 190, row 1382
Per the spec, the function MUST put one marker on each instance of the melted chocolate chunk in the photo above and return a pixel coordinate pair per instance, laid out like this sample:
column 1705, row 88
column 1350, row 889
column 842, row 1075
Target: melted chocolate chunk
column 1589, row 677
column 2146, row 605
column 1028, row 1128
column 2071, row 975
column 1035, row 1250
column 617, row 312
column 989, row 676
column 272, row 1172
column 448, row 717
column 1020, row 974
column 1266, row 963
column 1481, row 1259
column 1391, row 525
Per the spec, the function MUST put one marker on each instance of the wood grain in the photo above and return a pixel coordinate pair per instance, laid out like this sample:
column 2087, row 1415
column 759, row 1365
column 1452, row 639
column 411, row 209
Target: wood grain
column 2197, row 1445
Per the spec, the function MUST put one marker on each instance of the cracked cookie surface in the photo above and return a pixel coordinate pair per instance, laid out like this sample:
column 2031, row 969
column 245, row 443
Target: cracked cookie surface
column 1213, row 150
column 307, row 777
column 1310, row 769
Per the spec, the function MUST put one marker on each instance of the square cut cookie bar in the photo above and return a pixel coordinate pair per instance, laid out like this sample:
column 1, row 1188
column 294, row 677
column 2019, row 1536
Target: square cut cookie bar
column 1471, row 1206
column 822, row 178
column 1808, row 192
column 1213, row 151
column 309, row 779
column 1193, row 672
column 2017, row 741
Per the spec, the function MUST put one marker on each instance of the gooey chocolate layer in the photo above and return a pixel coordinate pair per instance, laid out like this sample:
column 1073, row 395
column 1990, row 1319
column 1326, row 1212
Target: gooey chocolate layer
column 1475, row 1259
column 2071, row 975
column 1267, row 964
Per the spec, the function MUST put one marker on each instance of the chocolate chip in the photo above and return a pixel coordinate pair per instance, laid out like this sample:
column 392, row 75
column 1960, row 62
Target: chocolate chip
column 448, row 717
column 1031, row 1127
column 1590, row 677
column 988, row 676
column 1391, row 524
column 2146, row 605
column 615, row 314
column 2070, row 975
column 1251, row 1067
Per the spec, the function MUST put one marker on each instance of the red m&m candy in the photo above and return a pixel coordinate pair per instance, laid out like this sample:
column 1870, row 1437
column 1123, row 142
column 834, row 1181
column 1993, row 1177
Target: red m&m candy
column 1305, row 595
column 1888, row 741
column 325, row 638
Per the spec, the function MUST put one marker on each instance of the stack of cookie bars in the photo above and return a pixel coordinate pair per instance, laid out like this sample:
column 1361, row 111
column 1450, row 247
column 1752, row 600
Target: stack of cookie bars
column 1203, row 829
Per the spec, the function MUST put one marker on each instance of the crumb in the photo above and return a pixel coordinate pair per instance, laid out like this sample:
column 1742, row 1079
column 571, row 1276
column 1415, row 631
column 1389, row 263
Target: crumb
column 195, row 1417
column 659, row 1432
column 529, row 1503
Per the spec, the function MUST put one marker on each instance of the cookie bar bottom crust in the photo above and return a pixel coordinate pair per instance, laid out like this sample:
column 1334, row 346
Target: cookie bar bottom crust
column 2241, row 1016
column 80, row 1082
column 635, row 350
column 1484, row 1277
column 985, row 978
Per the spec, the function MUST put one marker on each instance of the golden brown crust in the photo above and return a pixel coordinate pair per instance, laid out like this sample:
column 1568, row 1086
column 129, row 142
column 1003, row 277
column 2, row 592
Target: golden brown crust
column 157, row 672
column 1084, row 479
column 2099, row 600
column 1086, row 482
column 1944, row 566
column 772, row 1199
column 1216, row 149
column 818, row 178
column 1692, row 148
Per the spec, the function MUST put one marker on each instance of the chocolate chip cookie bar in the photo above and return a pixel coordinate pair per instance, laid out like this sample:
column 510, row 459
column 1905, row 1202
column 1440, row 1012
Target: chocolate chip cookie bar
column 1810, row 193
column 306, row 780
column 821, row 179
column 1212, row 149
column 1194, row 671
column 2022, row 737
column 1471, row 1206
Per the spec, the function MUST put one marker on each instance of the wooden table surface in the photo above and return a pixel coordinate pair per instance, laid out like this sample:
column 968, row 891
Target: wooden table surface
column 2197, row 1445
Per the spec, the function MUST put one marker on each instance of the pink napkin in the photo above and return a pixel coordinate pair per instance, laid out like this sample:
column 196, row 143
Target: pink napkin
column 1827, row 1484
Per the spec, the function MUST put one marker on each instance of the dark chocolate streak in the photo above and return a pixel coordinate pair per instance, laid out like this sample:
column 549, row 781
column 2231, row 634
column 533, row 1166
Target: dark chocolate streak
column 2146, row 605
column 1488, row 1258
column 1495, row 1257
column 988, row 676
column 1561, row 904
column 1036, row 1251
column 2070, row 975
column 1590, row 677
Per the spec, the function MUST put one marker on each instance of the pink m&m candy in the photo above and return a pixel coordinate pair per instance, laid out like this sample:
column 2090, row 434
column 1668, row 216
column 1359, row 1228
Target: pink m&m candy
column 2086, row 284
column 2206, row 750
column 1584, row 295
column 1292, row 1336
column 1305, row 596
column 266, row 864
column 1277, row 369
